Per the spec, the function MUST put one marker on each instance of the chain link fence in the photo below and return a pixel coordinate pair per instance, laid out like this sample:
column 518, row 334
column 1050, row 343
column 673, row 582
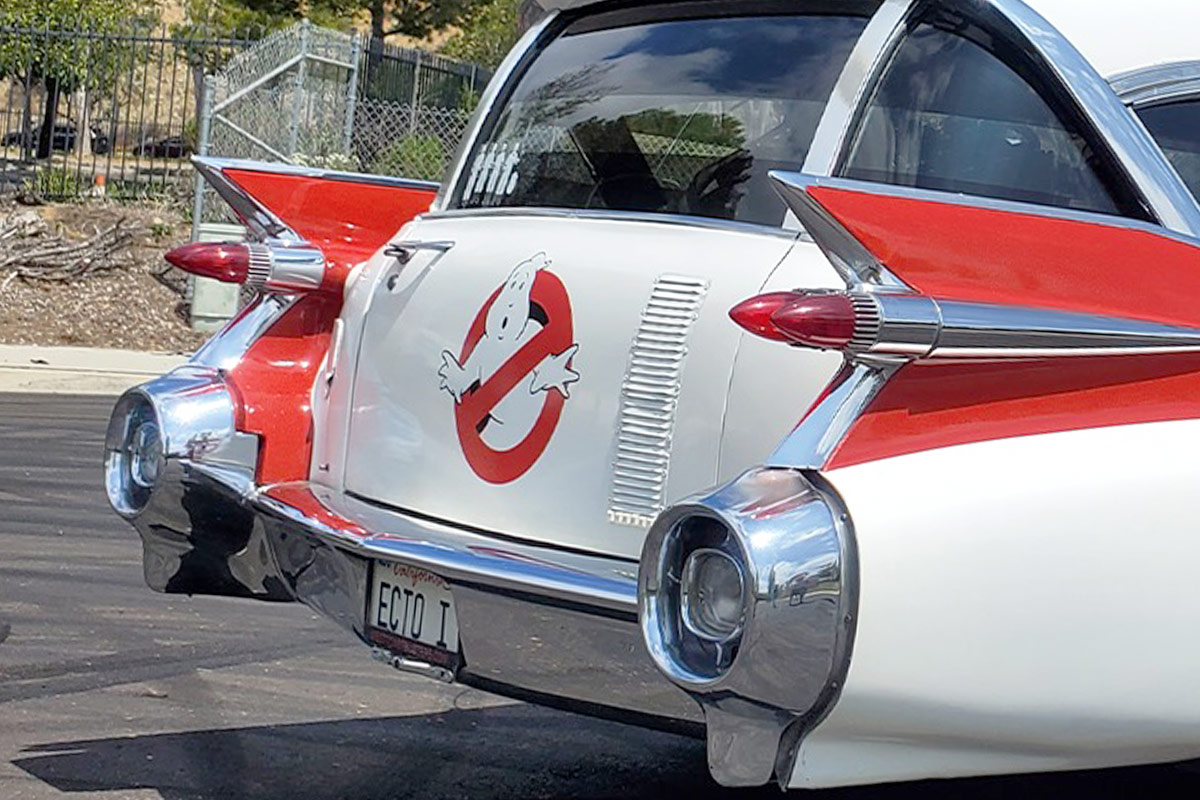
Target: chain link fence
column 118, row 113
column 312, row 96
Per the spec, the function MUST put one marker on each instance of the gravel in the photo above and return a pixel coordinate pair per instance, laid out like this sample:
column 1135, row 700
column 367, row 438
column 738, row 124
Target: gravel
column 128, row 308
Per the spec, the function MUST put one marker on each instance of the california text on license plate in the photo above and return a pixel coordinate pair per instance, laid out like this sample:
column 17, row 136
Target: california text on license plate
column 410, row 612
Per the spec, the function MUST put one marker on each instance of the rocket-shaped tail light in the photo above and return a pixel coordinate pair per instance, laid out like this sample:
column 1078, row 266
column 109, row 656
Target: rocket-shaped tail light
column 285, row 268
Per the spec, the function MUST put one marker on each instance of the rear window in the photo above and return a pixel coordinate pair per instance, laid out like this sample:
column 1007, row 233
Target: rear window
column 1176, row 128
column 673, row 116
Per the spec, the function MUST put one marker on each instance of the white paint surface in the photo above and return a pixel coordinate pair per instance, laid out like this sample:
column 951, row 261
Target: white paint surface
column 1026, row 604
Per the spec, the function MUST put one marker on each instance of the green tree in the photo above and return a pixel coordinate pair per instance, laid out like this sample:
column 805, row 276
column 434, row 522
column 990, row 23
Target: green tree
column 60, row 63
column 486, row 34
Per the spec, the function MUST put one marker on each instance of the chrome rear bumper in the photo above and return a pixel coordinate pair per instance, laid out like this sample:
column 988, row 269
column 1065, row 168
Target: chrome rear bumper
column 535, row 622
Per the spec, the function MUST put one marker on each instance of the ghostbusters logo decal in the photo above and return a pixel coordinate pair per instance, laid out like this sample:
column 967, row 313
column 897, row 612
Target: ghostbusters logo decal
column 513, row 375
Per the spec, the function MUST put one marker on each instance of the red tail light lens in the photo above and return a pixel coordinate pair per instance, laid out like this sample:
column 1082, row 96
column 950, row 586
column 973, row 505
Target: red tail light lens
column 284, row 267
column 755, row 314
column 823, row 321
column 225, row 261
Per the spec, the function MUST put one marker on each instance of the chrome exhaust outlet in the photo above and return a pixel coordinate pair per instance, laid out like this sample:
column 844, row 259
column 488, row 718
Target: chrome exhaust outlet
column 747, row 601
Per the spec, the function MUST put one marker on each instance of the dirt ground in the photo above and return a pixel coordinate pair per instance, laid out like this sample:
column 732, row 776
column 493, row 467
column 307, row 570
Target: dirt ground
column 127, row 307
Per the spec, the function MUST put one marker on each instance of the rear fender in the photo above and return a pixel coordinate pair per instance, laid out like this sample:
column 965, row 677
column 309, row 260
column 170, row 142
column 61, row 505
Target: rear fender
column 348, row 216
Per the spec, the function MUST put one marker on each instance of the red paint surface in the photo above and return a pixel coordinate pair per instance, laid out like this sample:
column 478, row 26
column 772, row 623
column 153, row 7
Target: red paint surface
column 957, row 252
column 961, row 253
column 503, row 466
column 301, row 498
column 347, row 220
column 927, row 406
column 275, row 380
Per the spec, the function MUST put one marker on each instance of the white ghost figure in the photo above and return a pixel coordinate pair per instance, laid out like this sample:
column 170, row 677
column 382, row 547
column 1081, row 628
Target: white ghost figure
column 512, row 320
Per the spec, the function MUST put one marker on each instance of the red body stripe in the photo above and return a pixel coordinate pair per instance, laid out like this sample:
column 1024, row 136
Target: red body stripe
column 274, row 381
column 957, row 252
column 991, row 256
column 927, row 406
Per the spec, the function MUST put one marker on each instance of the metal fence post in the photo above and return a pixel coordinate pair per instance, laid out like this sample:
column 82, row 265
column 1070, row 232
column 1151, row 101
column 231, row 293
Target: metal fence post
column 352, row 92
column 206, row 103
column 416, row 93
column 298, row 96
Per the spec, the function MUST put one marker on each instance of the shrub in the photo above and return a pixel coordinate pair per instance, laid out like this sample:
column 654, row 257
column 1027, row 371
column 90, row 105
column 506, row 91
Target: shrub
column 54, row 184
column 415, row 155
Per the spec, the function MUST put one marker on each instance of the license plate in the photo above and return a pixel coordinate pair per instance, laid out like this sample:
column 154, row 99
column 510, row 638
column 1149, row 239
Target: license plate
column 410, row 612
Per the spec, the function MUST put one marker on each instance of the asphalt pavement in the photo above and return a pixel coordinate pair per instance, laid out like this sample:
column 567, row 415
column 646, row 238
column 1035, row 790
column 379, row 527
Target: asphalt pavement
column 109, row 690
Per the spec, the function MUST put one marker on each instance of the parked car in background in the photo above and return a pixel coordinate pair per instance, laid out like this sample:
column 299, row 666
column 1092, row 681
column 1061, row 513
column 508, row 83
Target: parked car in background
column 62, row 140
column 166, row 147
column 819, row 379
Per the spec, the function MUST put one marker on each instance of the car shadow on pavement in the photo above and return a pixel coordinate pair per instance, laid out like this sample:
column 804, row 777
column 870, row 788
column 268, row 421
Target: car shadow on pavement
column 507, row 752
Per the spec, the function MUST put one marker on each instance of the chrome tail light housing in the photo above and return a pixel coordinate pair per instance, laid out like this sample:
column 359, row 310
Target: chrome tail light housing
column 748, row 596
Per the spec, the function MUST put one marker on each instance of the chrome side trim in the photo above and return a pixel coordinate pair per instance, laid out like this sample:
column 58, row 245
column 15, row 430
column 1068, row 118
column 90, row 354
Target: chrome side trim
column 1161, row 83
column 871, row 52
column 799, row 183
column 262, row 223
column 604, row 214
column 811, row 444
column 516, row 57
column 854, row 263
column 1134, row 148
column 649, row 395
column 225, row 349
column 278, row 168
column 794, row 543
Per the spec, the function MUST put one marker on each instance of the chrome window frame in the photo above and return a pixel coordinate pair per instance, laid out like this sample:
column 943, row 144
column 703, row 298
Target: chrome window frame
column 1136, row 153
column 1159, row 84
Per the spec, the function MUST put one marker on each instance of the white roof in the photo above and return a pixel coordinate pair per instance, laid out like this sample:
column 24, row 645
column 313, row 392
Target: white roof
column 1115, row 35
column 1120, row 35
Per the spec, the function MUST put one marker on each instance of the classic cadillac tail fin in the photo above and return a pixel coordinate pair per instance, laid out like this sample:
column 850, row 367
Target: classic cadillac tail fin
column 296, row 211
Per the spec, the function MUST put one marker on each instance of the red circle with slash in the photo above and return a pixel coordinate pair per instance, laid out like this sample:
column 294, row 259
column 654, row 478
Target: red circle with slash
column 503, row 466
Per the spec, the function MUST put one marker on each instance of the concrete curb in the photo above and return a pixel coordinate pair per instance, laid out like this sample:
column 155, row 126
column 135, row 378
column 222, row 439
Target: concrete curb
column 79, row 370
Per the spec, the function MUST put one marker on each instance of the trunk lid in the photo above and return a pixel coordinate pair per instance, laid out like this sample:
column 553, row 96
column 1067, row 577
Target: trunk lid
column 556, row 378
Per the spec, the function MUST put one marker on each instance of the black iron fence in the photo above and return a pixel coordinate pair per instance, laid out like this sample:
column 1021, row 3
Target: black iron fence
column 117, row 113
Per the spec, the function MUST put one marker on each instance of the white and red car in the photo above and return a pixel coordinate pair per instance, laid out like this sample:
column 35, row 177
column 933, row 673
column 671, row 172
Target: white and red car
column 821, row 377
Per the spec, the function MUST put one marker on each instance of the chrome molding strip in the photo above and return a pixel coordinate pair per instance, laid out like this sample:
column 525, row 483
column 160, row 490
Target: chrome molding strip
column 855, row 264
column 1135, row 150
column 615, row 215
column 487, row 105
column 459, row 555
column 262, row 223
column 225, row 349
column 1161, row 83
column 815, row 439
column 872, row 51
column 249, row 165
column 649, row 396
column 798, row 184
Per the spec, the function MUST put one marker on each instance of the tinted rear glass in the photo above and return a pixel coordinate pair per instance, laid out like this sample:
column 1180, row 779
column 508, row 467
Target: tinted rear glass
column 681, row 116
column 1176, row 128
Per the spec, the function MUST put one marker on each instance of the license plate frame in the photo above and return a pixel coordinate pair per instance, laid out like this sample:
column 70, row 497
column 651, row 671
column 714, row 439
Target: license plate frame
column 416, row 600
